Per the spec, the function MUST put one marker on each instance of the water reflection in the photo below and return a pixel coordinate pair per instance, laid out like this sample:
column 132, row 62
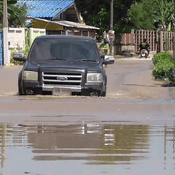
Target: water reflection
column 125, row 142
column 91, row 144
column 169, row 144
column 3, row 128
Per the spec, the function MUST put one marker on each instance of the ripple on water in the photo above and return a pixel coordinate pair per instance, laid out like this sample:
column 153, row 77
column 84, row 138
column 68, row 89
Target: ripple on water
column 93, row 147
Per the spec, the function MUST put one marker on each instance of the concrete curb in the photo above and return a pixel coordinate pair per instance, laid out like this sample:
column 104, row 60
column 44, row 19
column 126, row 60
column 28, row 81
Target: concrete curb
column 134, row 58
column 141, row 59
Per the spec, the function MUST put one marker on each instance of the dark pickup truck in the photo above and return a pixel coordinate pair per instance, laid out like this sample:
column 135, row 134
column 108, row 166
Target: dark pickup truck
column 62, row 64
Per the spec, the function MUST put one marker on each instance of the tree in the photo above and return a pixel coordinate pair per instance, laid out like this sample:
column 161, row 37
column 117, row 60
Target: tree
column 164, row 12
column 151, row 14
column 8, row 3
column 101, row 20
column 16, row 13
column 97, row 13
column 138, row 17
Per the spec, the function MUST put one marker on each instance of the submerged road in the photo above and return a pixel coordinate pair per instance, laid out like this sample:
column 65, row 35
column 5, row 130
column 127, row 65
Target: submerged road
column 132, row 95
column 130, row 131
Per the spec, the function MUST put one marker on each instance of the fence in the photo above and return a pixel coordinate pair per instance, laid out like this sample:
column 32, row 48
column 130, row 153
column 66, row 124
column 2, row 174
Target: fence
column 125, row 42
column 128, row 39
column 131, row 41
column 168, row 41
column 150, row 35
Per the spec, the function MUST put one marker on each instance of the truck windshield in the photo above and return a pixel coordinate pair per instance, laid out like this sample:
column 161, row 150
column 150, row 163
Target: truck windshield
column 62, row 49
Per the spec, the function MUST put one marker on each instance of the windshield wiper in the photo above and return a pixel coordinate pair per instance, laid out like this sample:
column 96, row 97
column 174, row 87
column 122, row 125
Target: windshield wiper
column 54, row 58
column 89, row 60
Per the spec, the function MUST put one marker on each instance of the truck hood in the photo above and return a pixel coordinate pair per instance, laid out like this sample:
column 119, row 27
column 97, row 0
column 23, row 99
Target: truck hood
column 62, row 64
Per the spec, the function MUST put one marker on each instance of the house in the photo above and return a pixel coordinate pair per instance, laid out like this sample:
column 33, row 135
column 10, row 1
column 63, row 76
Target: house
column 57, row 17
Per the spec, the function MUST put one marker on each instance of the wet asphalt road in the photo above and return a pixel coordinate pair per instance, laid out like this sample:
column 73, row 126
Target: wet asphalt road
column 130, row 131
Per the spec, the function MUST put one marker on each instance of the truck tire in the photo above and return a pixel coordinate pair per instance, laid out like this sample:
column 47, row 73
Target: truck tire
column 20, row 91
column 103, row 94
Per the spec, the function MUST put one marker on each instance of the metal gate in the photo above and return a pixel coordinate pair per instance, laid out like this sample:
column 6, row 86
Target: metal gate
column 1, row 50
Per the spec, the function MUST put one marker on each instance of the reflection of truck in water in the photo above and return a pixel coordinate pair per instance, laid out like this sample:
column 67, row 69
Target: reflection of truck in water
column 107, row 143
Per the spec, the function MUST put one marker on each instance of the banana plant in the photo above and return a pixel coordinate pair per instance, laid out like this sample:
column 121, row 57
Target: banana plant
column 161, row 10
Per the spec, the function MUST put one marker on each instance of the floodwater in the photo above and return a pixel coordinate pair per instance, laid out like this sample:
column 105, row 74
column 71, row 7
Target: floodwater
column 87, row 148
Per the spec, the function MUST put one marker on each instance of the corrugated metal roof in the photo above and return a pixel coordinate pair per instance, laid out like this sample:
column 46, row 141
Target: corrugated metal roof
column 45, row 8
column 77, row 25
column 69, row 24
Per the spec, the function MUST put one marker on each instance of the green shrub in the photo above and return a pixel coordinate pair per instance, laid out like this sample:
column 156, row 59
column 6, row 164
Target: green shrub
column 164, row 69
column 161, row 56
column 26, row 50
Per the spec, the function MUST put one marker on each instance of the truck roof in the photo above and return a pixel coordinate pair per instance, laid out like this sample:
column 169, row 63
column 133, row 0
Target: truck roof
column 65, row 37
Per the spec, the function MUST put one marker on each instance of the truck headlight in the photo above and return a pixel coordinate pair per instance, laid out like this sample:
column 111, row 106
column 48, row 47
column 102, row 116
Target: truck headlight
column 30, row 75
column 94, row 77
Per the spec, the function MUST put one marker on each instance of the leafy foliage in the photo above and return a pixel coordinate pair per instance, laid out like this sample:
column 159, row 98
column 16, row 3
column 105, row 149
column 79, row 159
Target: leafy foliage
column 16, row 14
column 161, row 56
column 97, row 13
column 164, row 66
column 102, row 20
column 151, row 14
column 139, row 17
column 9, row 2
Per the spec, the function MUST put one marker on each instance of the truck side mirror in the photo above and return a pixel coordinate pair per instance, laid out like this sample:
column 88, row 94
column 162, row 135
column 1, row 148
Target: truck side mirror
column 19, row 57
column 102, row 57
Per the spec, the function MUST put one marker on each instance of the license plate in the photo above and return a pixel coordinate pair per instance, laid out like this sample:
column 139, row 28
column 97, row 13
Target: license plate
column 60, row 92
column 143, row 55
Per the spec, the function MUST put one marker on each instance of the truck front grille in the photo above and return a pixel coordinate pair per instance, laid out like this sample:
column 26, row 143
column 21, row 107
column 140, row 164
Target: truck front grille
column 57, row 79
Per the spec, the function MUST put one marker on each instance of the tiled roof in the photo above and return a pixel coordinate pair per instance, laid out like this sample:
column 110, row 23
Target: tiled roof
column 45, row 8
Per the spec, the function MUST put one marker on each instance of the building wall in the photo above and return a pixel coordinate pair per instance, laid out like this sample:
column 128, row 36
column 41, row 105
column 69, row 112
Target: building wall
column 16, row 39
column 85, row 33
column 34, row 32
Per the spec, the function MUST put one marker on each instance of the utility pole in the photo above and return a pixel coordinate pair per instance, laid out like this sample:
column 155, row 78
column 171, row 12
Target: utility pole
column 174, row 34
column 5, row 32
column 111, row 24
column 112, row 14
